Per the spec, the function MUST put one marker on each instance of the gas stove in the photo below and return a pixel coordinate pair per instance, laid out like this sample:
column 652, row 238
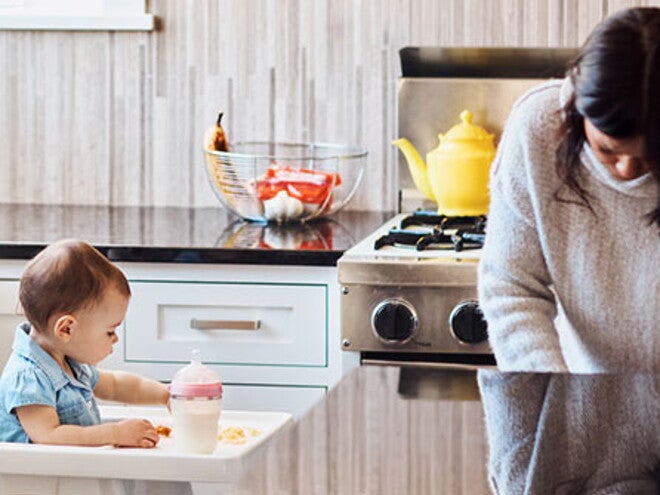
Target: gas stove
column 411, row 298
column 409, row 290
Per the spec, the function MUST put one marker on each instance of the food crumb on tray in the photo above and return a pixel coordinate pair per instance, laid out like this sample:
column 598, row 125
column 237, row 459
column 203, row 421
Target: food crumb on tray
column 163, row 430
column 235, row 435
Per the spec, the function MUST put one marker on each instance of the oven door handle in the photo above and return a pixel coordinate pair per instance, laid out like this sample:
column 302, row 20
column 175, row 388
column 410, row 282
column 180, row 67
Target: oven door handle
column 428, row 364
column 438, row 381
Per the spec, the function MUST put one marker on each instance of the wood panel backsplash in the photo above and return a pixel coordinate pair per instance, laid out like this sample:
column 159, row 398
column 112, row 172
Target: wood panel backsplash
column 117, row 118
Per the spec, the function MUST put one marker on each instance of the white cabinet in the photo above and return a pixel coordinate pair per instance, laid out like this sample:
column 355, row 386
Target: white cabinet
column 247, row 323
column 270, row 332
column 9, row 316
column 293, row 399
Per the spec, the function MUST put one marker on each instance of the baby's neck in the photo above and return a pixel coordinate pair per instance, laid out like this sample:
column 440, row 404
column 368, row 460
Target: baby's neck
column 52, row 350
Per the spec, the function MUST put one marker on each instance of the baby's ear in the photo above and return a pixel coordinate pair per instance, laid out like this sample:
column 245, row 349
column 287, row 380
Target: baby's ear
column 63, row 326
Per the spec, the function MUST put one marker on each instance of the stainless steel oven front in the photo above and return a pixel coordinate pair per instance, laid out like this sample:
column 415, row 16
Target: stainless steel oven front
column 399, row 306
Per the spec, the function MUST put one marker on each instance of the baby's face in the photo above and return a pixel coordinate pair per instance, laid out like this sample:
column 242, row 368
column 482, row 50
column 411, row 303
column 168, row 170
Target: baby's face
column 96, row 328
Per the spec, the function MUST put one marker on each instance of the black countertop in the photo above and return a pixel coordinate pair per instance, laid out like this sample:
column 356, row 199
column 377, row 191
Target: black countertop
column 182, row 235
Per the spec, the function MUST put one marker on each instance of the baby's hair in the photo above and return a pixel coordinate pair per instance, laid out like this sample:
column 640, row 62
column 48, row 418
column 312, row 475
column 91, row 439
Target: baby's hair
column 67, row 276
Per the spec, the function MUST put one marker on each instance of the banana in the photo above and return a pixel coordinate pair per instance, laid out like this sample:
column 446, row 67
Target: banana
column 235, row 189
column 215, row 137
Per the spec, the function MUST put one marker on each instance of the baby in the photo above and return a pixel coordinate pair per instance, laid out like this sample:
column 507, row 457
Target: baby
column 74, row 299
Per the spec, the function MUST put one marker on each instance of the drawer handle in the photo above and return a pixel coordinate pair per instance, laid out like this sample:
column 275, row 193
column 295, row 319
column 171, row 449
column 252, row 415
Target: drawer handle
column 225, row 324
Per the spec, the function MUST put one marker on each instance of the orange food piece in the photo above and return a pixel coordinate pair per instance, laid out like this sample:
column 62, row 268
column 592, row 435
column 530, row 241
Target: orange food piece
column 163, row 430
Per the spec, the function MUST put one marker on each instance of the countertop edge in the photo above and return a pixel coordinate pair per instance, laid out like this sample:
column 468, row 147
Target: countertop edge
column 189, row 255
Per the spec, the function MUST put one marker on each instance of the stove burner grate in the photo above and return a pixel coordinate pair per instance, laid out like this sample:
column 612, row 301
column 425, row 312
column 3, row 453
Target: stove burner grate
column 444, row 222
column 469, row 232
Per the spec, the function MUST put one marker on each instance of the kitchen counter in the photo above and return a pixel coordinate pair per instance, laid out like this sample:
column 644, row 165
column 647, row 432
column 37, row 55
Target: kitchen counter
column 381, row 432
column 388, row 431
column 205, row 264
column 181, row 235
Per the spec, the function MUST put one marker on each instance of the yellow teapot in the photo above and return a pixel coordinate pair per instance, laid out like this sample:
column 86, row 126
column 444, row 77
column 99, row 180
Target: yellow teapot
column 456, row 173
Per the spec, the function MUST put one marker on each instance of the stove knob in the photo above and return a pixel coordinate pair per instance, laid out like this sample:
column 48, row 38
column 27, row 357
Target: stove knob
column 394, row 321
column 467, row 323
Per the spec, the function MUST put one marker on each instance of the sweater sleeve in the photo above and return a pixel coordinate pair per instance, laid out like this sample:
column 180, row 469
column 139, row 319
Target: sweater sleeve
column 514, row 284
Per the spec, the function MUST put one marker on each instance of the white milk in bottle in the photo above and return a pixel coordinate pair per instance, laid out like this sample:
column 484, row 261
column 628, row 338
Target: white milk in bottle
column 196, row 402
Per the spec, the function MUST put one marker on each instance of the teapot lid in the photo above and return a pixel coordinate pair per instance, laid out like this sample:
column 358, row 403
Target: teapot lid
column 466, row 130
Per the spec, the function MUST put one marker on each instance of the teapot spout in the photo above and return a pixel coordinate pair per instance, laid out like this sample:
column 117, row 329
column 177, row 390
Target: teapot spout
column 416, row 166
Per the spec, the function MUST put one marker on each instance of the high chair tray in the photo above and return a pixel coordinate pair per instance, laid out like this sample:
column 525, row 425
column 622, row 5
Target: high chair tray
column 162, row 463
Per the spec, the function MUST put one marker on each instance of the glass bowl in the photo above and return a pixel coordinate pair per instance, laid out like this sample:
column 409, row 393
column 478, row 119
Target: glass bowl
column 265, row 181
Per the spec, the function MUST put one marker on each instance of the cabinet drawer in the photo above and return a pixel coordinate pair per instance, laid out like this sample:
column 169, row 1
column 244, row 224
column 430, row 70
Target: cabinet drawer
column 288, row 323
column 291, row 399
column 9, row 317
column 9, row 297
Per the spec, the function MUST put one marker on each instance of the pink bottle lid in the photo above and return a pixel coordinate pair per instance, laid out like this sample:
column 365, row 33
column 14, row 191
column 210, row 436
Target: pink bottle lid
column 196, row 380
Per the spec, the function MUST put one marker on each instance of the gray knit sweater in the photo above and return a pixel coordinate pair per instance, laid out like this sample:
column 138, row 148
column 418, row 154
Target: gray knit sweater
column 563, row 289
column 569, row 434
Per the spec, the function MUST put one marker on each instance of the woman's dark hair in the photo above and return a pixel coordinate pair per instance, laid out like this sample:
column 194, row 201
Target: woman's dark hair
column 616, row 81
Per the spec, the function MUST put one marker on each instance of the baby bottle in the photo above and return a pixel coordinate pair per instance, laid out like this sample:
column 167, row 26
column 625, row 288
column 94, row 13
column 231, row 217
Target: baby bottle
column 195, row 402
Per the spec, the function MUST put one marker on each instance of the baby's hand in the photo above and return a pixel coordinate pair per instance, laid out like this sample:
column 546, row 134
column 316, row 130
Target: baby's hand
column 135, row 433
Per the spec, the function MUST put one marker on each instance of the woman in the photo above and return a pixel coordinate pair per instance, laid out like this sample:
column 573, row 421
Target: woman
column 569, row 279
column 570, row 274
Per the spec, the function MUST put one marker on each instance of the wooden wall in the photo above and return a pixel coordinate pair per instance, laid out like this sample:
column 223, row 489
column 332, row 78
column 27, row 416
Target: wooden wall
column 117, row 118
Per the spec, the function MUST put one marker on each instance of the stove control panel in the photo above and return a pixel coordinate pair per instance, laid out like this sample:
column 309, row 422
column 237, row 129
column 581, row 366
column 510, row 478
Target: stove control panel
column 394, row 321
column 402, row 319
column 467, row 323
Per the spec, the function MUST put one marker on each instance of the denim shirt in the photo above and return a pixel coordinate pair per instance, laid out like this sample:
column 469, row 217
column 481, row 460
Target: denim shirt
column 32, row 377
